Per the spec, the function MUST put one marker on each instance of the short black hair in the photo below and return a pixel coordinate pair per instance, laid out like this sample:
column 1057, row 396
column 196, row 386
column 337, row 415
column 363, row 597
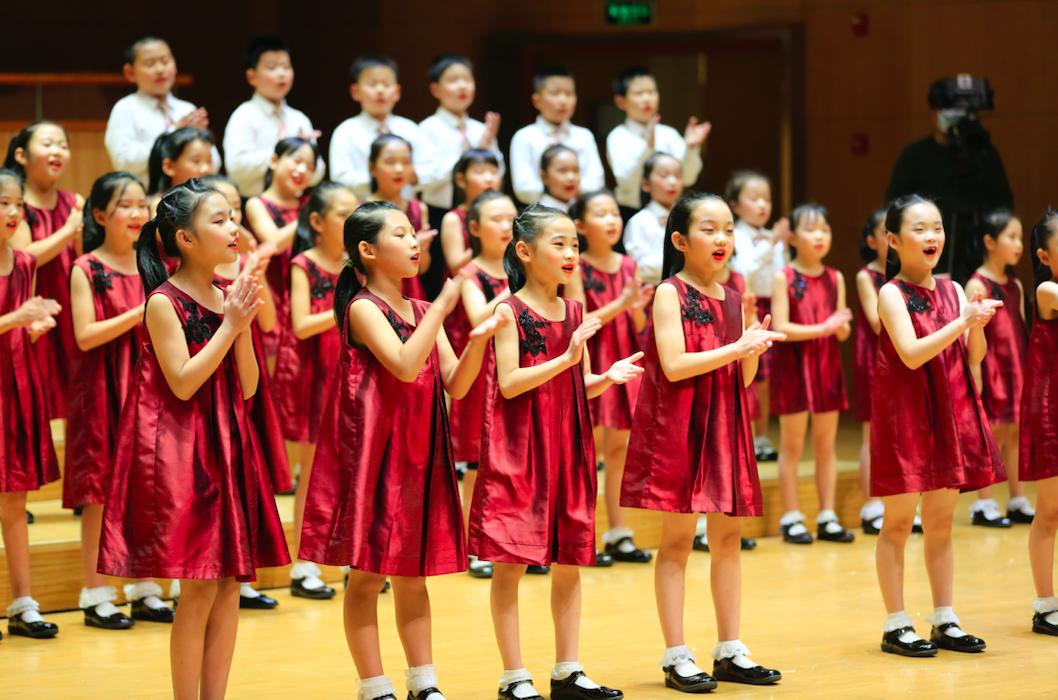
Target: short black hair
column 541, row 76
column 260, row 45
column 441, row 63
column 625, row 78
column 375, row 61
column 134, row 47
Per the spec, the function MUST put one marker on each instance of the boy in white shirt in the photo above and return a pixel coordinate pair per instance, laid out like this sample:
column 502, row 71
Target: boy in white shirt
column 642, row 134
column 376, row 87
column 555, row 98
column 137, row 120
column 257, row 125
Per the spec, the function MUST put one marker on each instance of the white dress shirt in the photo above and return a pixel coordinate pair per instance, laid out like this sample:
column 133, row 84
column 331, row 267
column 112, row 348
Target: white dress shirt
column 351, row 144
column 757, row 258
column 626, row 150
column 250, row 138
column 135, row 123
column 448, row 136
column 530, row 142
column 644, row 240
column 555, row 203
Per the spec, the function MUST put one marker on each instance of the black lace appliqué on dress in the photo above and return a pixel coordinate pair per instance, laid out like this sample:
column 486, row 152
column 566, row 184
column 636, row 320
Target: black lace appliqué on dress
column 916, row 303
column 533, row 343
column 997, row 290
column 799, row 285
column 591, row 282
column 486, row 286
column 100, row 277
column 197, row 328
column 321, row 285
column 692, row 310
column 402, row 327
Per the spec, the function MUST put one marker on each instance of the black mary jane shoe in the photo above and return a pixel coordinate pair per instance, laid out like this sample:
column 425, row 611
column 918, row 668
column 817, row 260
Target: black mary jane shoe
column 967, row 643
column 260, row 602
column 30, row 518
column 567, row 689
column 507, row 693
column 801, row 538
column 747, row 544
column 117, row 621
column 603, row 559
column 18, row 627
column 635, row 555
column 869, row 528
column 727, row 670
column 538, row 569
column 298, row 590
column 386, row 585
column 700, row 544
column 1041, row 626
column 980, row 520
column 423, row 694
column 1015, row 516
column 918, row 648
column 843, row 535
column 479, row 570
column 698, row 683
column 766, row 455
column 141, row 611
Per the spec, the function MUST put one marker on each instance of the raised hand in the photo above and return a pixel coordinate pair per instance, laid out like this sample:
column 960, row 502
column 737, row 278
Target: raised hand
column 487, row 328
column 452, row 289
column 780, row 232
column 308, row 135
column 492, row 127
column 625, row 370
column 425, row 236
column 242, row 302
column 695, row 134
column 756, row 339
column 257, row 260
column 584, row 331
column 75, row 221
column 749, row 304
column 836, row 321
column 37, row 309
column 40, row 327
column 979, row 311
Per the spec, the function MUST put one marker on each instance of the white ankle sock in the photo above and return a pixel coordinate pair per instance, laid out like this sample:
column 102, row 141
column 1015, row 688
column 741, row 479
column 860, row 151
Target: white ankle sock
column 901, row 619
column 986, row 507
column 735, row 650
column 248, row 591
column 942, row 616
column 419, row 678
column 101, row 598
column 1045, row 606
column 174, row 588
column 872, row 510
column 309, row 574
column 682, row 659
column 376, row 687
column 564, row 669
column 25, row 606
column 1020, row 503
column 515, row 675
column 701, row 527
column 617, row 534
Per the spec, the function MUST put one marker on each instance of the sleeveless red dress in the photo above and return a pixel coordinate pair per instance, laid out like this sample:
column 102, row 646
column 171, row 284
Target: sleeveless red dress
column 615, row 341
column 56, row 349
column 865, row 356
column 383, row 496
column 1003, row 369
column 100, row 383
column 305, row 368
column 534, row 501
column 691, row 448
column 928, row 427
column 1039, row 404
column 413, row 288
column 807, row 374
column 27, row 456
column 468, row 413
column 190, row 497
column 737, row 282
column 278, row 277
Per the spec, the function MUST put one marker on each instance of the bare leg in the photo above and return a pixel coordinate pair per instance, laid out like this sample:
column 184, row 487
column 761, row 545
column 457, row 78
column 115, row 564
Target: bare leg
column 16, row 541
column 1010, row 448
column 677, row 533
column 188, row 637
column 504, row 602
column 889, row 552
column 219, row 639
column 792, row 429
column 412, row 603
column 1041, row 536
column 306, row 452
column 565, row 610
column 937, row 510
column 615, row 450
column 824, row 433
column 91, row 527
column 725, row 573
column 361, row 622
column 760, row 427
column 470, row 478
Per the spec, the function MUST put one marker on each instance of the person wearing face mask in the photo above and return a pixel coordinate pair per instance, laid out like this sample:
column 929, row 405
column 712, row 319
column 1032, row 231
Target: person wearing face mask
column 957, row 166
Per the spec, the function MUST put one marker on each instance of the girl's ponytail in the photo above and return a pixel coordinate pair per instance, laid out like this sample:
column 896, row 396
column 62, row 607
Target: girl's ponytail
column 513, row 266
column 362, row 226
column 153, row 271
column 529, row 224
column 1042, row 233
column 347, row 287
column 176, row 211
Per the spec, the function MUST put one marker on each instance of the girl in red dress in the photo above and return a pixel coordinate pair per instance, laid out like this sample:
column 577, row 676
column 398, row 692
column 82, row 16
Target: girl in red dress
column 1039, row 423
column 491, row 217
column 190, row 497
column 609, row 287
column 1000, row 376
column 534, row 502
column 39, row 154
column 176, row 157
column 808, row 305
column 691, row 449
column 27, row 457
column 272, row 217
column 929, row 432
column 107, row 304
column 477, row 171
column 306, row 365
column 389, row 162
column 384, row 498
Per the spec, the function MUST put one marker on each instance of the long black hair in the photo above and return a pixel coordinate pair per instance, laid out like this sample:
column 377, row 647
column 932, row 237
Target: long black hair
column 176, row 211
column 319, row 203
column 527, row 227
column 867, row 253
column 1042, row 233
column 289, row 146
column 680, row 222
column 894, row 217
column 474, row 156
column 105, row 189
column 170, row 146
column 993, row 223
column 362, row 226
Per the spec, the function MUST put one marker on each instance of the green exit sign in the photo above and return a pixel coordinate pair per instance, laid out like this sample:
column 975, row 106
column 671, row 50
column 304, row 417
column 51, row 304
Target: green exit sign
column 629, row 12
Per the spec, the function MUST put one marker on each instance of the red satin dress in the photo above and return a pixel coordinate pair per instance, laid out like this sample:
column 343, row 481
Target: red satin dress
column 928, row 427
column 27, row 456
column 413, row 287
column 737, row 282
column 190, row 497
column 615, row 341
column 865, row 356
column 1039, row 404
column 534, row 501
column 468, row 413
column 383, row 496
column 100, row 382
column 806, row 374
column 56, row 349
column 278, row 277
column 305, row 368
column 691, row 449
column 1003, row 369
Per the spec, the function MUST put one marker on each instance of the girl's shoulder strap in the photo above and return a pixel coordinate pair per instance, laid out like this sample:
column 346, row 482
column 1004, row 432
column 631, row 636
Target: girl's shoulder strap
column 303, row 261
column 23, row 262
column 574, row 311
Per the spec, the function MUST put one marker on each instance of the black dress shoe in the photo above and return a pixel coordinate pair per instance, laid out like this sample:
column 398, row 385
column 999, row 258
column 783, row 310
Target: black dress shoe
column 261, row 602
column 748, row 544
column 1014, row 516
column 507, row 693
column 603, row 559
column 767, row 455
column 480, row 570
column 635, row 555
column 728, row 670
column 78, row 511
column 30, row 518
column 36, row 630
column 298, row 590
column 386, row 585
column 966, row 643
column 920, row 647
column 1000, row 522
column 422, row 694
column 537, row 569
column 117, row 621
column 701, row 544
column 141, row 611
column 869, row 527
column 567, row 689
column 916, row 527
column 1041, row 626
column 801, row 538
column 698, row 683
column 841, row 535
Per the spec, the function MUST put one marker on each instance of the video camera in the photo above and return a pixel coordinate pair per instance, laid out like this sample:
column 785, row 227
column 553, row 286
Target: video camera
column 958, row 100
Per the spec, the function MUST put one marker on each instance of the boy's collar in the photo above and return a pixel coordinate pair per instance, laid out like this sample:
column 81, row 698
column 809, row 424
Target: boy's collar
column 637, row 128
column 450, row 116
column 154, row 98
column 550, row 126
column 373, row 119
column 267, row 103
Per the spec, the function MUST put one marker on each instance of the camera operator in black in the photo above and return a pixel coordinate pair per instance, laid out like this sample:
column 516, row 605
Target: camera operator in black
column 957, row 166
